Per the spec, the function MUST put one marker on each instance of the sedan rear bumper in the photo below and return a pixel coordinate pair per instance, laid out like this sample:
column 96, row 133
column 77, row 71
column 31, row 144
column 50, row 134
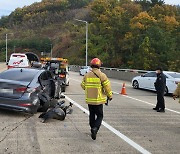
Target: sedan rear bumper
column 19, row 105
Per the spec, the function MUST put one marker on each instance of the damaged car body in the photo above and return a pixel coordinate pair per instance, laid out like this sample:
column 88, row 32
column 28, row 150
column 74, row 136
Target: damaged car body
column 28, row 90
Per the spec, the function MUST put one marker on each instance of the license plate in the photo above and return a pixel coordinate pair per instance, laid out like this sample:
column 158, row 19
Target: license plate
column 6, row 91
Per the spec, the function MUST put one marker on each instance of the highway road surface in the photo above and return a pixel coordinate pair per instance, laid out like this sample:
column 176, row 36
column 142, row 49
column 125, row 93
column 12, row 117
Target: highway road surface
column 129, row 126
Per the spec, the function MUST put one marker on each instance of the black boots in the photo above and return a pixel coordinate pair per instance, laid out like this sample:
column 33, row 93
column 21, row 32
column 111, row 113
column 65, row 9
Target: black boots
column 161, row 110
column 94, row 131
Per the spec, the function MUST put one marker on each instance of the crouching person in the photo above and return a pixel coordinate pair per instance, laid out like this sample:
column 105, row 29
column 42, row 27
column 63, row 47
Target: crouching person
column 177, row 92
column 97, row 89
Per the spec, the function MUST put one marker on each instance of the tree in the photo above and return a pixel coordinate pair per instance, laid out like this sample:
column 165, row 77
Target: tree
column 146, row 55
column 142, row 21
column 157, row 2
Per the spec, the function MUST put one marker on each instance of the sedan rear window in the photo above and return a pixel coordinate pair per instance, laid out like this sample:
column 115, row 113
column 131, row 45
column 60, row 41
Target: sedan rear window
column 18, row 75
column 174, row 75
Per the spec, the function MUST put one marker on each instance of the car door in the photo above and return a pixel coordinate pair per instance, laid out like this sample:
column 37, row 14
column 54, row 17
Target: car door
column 146, row 80
column 152, row 78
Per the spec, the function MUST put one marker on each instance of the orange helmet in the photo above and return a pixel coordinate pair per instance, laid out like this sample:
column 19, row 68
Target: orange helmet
column 96, row 62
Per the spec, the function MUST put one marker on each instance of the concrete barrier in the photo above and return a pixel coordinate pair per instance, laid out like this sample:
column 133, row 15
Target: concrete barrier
column 115, row 73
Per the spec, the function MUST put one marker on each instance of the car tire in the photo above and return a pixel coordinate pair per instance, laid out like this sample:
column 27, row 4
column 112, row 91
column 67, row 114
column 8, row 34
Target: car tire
column 67, row 84
column 135, row 84
column 166, row 91
column 63, row 88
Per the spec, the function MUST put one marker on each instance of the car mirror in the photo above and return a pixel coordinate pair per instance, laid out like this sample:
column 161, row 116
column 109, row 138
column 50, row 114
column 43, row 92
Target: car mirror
column 142, row 75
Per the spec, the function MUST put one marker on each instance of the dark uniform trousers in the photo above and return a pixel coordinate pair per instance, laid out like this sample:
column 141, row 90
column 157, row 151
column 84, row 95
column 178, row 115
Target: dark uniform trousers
column 160, row 85
column 95, row 115
column 160, row 100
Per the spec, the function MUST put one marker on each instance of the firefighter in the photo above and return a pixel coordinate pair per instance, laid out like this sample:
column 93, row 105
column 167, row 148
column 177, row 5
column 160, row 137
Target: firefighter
column 160, row 86
column 177, row 92
column 97, row 90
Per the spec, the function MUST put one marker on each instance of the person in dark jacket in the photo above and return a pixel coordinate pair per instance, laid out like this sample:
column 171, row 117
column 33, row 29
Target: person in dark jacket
column 160, row 86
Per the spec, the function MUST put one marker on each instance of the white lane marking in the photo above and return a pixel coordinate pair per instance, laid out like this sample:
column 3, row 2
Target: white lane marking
column 118, row 133
column 137, row 99
column 145, row 102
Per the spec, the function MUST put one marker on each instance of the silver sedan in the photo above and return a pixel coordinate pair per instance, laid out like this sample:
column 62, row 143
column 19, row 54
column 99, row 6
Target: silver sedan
column 27, row 90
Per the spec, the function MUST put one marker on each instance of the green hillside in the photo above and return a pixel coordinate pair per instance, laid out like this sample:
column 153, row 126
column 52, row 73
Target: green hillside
column 122, row 33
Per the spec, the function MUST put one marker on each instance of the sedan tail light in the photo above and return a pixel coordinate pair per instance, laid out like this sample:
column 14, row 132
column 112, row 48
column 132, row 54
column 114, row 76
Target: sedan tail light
column 25, row 104
column 25, row 90
column 61, row 75
column 21, row 89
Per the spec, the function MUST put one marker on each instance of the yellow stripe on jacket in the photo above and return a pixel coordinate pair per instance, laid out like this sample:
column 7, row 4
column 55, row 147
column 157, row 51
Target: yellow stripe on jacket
column 96, row 89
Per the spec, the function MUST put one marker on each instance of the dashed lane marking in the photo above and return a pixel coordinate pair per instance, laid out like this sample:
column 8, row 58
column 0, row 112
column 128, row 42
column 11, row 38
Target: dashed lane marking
column 118, row 133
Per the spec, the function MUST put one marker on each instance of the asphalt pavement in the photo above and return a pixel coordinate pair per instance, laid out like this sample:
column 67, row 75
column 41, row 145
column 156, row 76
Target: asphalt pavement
column 129, row 126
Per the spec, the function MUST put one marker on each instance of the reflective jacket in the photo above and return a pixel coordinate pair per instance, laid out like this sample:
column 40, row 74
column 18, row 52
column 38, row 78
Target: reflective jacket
column 177, row 91
column 97, row 88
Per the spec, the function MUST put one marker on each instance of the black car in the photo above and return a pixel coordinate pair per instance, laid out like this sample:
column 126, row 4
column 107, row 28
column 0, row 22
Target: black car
column 27, row 89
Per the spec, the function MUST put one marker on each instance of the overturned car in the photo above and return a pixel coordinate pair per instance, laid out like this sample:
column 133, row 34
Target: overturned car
column 28, row 89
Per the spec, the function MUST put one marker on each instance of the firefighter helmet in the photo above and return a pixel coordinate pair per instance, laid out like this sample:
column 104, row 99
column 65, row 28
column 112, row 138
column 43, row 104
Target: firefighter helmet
column 96, row 62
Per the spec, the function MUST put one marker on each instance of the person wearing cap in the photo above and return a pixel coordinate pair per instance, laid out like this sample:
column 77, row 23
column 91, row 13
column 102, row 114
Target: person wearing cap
column 177, row 92
column 160, row 85
column 97, row 90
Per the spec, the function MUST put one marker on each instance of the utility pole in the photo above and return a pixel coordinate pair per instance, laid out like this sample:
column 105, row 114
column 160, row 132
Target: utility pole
column 7, row 47
column 86, row 38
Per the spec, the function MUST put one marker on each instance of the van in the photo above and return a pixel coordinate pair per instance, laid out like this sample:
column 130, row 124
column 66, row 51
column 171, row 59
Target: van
column 18, row 60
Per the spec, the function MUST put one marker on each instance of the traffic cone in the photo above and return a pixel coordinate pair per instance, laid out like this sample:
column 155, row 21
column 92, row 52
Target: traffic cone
column 123, row 91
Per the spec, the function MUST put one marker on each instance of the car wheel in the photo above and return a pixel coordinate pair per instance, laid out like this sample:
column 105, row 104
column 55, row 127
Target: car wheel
column 135, row 84
column 63, row 88
column 166, row 91
column 67, row 84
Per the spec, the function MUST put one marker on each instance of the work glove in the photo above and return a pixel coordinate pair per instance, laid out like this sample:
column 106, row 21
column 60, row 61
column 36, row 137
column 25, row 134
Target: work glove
column 110, row 99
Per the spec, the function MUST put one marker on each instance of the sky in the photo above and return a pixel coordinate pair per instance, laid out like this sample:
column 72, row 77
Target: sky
column 7, row 6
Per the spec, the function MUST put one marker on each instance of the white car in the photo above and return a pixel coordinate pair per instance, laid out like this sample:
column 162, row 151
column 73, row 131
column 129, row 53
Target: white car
column 84, row 70
column 147, row 80
column 18, row 60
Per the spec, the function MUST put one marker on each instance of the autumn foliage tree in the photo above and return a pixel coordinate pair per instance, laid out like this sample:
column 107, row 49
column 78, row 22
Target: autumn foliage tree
column 140, row 34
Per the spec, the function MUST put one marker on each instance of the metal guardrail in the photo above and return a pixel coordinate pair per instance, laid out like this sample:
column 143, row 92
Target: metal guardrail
column 116, row 73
